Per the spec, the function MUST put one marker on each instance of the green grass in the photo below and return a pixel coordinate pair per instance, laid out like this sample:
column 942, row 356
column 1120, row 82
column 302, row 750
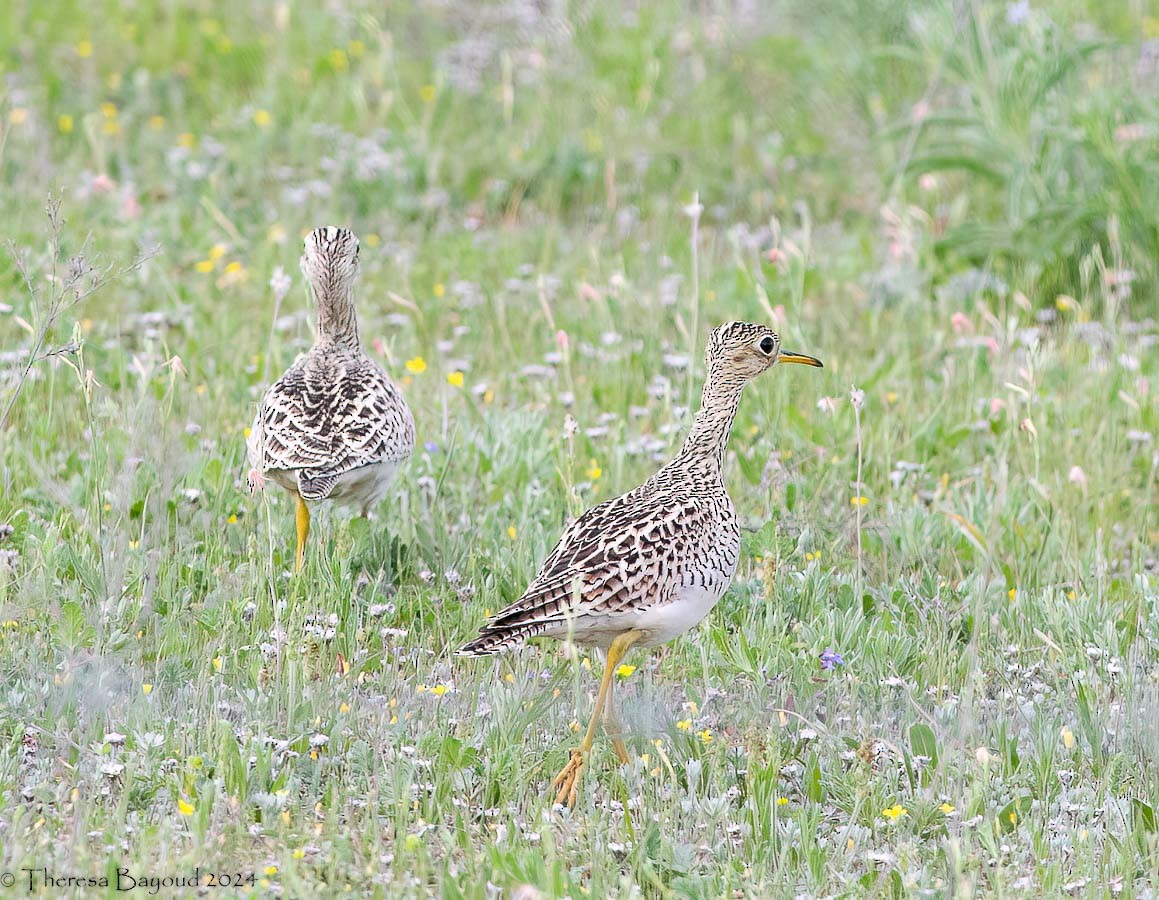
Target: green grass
column 961, row 209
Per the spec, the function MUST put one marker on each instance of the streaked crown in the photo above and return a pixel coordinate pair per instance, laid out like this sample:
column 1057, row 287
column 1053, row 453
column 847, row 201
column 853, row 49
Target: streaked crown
column 330, row 259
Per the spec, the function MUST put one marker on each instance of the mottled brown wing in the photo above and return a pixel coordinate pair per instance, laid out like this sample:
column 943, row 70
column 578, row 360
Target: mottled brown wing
column 627, row 553
column 325, row 417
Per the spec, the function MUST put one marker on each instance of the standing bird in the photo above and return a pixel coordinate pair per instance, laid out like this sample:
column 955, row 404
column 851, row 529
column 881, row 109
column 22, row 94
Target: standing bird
column 334, row 426
column 646, row 566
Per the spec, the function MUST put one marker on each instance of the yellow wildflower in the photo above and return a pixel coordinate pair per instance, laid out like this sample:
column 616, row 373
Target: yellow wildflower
column 624, row 671
column 416, row 365
column 894, row 812
column 455, row 379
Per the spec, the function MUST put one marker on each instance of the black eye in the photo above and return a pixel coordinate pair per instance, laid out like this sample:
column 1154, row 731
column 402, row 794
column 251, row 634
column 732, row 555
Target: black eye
column 767, row 346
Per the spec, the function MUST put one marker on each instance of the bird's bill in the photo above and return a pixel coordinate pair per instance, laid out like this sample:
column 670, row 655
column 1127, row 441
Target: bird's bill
column 788, row 356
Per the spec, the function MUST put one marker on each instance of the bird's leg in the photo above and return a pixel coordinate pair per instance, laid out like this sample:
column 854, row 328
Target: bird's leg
column 612, row 724
column 567, row 780
column 302, row 520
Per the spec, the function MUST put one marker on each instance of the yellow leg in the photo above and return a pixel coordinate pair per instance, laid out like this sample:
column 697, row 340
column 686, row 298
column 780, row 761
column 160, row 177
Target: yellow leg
column 612, row 725
column 302, row 519
column 567, row 780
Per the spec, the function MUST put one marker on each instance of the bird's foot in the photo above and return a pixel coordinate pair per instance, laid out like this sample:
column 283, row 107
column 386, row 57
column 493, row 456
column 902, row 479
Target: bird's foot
column 567, row 781
column 255, row 480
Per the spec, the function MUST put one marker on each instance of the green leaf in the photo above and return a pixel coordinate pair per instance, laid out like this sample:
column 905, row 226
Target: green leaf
column 922, row 742
column 1013, row 813
column 943, row 162
column 1144, row 815
column 814, row 789
column 751, row 466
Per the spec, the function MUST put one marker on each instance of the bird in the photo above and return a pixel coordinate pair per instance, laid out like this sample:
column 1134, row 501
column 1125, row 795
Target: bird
column 334, row 426
column 644, row 567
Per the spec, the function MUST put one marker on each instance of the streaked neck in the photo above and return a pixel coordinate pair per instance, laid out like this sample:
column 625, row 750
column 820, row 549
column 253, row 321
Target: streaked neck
column 708, row 436
column 337, row 323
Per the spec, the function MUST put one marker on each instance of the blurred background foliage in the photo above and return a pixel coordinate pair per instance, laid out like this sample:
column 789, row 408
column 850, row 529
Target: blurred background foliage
column 1033, row 125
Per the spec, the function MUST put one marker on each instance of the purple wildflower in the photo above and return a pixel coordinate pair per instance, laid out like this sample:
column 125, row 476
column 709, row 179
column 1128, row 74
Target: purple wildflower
column 1018, row 13
column 431, row 447
column 831, row 659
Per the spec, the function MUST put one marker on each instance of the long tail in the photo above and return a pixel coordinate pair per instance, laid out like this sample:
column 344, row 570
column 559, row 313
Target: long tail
column 501, row 639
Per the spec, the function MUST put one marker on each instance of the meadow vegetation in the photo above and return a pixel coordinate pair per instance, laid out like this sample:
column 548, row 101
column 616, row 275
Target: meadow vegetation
column 936, row 671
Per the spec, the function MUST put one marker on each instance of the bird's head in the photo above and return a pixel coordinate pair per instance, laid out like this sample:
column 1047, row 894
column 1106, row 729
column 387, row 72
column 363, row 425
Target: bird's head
column 330, row 261
column 744, row 350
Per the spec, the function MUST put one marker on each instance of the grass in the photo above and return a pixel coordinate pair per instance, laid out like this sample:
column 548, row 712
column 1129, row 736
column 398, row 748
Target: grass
column 950, row 211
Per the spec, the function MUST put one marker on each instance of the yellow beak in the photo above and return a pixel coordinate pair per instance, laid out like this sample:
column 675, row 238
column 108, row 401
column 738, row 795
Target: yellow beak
column 788, row 356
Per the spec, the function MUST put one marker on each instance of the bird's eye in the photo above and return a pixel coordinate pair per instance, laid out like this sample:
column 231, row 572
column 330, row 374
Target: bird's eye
column 767, row 345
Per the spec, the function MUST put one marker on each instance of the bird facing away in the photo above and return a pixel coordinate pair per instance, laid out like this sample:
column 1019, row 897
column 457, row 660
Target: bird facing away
column 334, row 426
column 646, row 566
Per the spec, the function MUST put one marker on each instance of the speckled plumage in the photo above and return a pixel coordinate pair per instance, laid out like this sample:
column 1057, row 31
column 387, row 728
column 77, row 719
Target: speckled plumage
column 657, row 559
column 334, row 426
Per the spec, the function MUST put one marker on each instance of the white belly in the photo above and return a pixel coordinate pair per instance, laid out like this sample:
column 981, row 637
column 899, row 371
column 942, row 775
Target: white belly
column 659, row 624
column 363, row 487
column 690, row 605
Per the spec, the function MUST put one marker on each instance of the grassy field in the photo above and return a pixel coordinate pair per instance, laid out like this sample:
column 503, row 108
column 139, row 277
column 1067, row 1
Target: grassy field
column 954, row 209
